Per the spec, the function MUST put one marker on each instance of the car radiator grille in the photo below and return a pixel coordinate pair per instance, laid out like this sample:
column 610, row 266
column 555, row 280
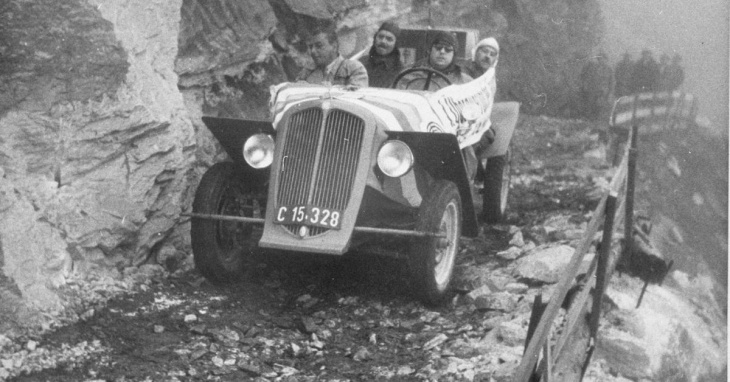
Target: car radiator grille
column 319, row 161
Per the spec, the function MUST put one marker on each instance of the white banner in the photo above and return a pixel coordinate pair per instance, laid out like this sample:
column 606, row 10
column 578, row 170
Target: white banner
column 441, row 111
column 448, row 103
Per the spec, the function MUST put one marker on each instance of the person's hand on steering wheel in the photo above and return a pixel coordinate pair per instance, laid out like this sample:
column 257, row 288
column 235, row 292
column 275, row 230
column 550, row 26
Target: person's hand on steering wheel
column 427, row 81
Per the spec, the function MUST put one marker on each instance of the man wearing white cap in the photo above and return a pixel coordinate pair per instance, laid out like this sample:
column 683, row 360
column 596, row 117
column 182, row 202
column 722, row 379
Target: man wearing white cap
column 484, row 56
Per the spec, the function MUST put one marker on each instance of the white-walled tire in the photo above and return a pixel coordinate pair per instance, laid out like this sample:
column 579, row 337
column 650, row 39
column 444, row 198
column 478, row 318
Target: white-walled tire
column 431, row 260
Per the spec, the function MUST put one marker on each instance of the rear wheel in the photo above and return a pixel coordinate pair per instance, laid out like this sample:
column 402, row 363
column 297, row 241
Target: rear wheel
column 223, row 250
column 431, row 260
column 496, row 188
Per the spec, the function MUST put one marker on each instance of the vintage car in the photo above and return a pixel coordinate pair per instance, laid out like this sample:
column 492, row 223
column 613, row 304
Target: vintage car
column 340, row 168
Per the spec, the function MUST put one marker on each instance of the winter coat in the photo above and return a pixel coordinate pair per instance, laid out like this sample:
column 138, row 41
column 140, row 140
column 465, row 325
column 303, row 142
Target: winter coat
column 341, row 71
column 454, row 72
column 382, row 70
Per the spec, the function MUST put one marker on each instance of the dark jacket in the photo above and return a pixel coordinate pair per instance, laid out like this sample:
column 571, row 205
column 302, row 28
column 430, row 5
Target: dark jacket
column 341, row 71
column 622, row 75
column 382, row 70
column 454, row 72
column 473, row 69
column 645, row 76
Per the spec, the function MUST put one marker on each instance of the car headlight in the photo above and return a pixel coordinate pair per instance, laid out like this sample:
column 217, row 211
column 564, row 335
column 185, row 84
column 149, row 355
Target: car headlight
column 395, row 158
column 258, row 151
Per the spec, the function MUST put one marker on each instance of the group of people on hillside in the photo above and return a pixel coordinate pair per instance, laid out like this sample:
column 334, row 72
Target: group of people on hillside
column 646, row 75
column 383, row 63
column 598, row 81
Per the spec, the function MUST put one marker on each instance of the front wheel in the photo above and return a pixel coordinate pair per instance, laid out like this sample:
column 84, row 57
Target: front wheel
column 496, row 188
column 431, row 260
column 222, row 250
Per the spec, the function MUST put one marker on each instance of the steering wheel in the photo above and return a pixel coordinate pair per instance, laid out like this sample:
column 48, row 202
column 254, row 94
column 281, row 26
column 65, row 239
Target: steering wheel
column 428, row 80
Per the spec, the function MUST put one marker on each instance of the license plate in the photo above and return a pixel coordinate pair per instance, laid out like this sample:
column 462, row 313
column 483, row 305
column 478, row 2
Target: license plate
column 308, row 215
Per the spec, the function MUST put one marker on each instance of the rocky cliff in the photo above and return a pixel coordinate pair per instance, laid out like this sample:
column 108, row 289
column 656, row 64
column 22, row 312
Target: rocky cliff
column 96, row 148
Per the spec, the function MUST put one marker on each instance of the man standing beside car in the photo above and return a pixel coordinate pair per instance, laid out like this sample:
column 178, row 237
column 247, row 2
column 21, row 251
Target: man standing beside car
column 383, row 62
column 330, row 68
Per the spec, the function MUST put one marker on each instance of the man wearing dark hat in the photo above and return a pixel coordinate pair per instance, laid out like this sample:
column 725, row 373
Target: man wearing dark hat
column 441, row 58
column 383, row 62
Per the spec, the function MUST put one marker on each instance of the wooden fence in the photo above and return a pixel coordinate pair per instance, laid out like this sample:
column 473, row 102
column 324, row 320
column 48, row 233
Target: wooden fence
column 546, row 356
column 654, row 112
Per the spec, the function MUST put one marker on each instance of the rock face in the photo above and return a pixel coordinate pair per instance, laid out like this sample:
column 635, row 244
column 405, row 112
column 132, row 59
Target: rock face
column 96, row 149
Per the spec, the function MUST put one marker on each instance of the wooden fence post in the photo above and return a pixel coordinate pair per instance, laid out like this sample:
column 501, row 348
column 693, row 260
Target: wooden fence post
column 535, row 315
column 629, row 216
column 603, row 255
column 538, row 307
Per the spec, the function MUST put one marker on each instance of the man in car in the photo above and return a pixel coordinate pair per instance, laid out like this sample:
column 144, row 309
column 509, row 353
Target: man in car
column 330, row 68
column 441, row 58
column 383, row 62
column 484, row 56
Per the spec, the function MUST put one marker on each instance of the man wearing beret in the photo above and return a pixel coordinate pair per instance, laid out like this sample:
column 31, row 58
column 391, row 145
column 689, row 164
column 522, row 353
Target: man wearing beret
column 383, row 62
column 441, row 58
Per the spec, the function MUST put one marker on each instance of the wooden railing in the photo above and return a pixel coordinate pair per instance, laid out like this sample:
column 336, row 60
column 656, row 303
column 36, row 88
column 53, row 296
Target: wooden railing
column 654, row 112
column 545, row 357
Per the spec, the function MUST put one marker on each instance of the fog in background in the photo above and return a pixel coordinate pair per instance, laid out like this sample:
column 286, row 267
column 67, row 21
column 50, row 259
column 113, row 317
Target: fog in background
column 697, row 30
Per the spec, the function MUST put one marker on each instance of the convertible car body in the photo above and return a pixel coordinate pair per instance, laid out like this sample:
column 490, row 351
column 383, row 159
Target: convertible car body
column 338, row 167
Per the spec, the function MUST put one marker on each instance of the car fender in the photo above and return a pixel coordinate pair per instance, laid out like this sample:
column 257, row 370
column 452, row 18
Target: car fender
column 504, row 119
column 232, row 133
column 440, row 156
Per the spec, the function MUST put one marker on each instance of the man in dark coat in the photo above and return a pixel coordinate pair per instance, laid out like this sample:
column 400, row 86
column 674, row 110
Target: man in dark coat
column 622, row 75
column 663, row 65
column 673, row 74
column 645, row 76
column 383, row 62
column 596, row 82
column 441, row 58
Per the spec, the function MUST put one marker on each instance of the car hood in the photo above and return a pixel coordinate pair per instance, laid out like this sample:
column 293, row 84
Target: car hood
column 404, row 110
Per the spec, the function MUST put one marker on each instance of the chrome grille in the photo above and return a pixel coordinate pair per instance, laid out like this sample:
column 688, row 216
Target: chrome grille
column 338, row 162
column 299, row 156
column 320, row 176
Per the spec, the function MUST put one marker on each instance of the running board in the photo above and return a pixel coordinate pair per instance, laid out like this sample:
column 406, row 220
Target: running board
column 387, row 231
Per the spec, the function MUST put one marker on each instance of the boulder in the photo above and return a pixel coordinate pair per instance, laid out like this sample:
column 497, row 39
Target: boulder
column 510, row 253
column 674, row 332
column 544, row 264
column 513, row 333
column 624, row 357
column 501, row 301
